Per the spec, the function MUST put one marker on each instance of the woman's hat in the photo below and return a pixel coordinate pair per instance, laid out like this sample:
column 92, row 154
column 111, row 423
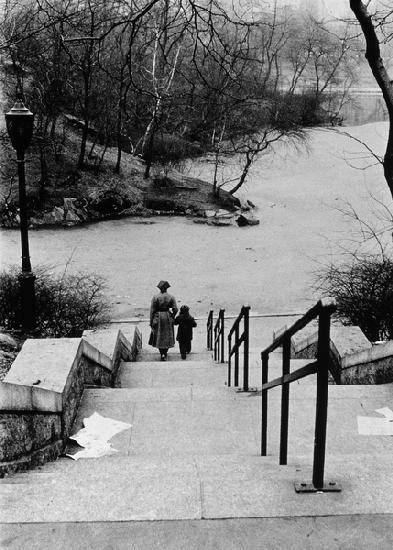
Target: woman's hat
column 163, row 285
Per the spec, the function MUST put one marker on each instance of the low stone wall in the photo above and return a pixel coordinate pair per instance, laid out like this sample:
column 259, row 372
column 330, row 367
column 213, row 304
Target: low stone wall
column 353, row 359
column 370, row 366
column 41, row 393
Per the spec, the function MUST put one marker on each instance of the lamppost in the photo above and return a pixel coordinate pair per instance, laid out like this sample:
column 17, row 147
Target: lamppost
column 19, row 122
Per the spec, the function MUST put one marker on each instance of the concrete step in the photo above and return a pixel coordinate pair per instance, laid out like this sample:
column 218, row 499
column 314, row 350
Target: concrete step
column 198, row 487
column 200, row 369
column 171, row 374
column 193, row 453
column 209, row 420
column 350, row 531
column 174, row 355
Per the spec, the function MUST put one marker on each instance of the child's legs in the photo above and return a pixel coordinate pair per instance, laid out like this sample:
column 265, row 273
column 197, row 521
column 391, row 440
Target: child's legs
column 183, row 348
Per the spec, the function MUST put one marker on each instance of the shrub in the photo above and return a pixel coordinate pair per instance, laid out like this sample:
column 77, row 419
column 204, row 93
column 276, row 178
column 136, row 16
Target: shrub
column 66, row 304
column 363, row 289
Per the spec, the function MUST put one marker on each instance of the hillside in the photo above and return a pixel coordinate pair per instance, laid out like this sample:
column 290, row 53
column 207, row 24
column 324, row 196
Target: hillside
column 70, row 196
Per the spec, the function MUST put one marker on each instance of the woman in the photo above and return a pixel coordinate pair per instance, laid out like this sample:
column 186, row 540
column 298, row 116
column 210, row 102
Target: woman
column 162, row 311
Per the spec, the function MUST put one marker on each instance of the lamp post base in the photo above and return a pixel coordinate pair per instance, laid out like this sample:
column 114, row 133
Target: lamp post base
column 27, row 294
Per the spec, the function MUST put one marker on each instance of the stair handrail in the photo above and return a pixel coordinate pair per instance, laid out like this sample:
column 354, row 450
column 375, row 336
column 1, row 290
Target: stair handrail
column 219, row 351
column 209, row 327
column 323, row 310
column 240, row 339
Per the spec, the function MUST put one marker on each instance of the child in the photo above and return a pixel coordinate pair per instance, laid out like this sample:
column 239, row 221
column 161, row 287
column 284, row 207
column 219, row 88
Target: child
column 184, row 333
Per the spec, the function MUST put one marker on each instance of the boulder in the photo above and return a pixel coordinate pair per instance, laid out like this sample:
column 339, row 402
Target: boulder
column 246, row 219
column 69, row 203
column 8, row 342
column 72, row 216
column 220, row 221
column 36, row 222
column 53, row 217
column 244, row 205
column 222, row 213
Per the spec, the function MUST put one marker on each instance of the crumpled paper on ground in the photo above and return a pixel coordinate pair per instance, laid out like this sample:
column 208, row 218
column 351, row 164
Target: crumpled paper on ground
column 95, row 436
column 369, row 425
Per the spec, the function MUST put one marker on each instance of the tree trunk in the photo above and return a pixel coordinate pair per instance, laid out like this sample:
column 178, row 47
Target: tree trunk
column 85, row 129
column 249, row 158
column 148, row 157
column 375, row 61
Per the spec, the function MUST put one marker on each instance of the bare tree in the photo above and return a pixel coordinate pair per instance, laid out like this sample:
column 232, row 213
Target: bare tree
column 370, row 25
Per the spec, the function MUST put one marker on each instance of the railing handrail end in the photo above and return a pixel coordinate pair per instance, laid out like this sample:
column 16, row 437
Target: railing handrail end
column 328, row 303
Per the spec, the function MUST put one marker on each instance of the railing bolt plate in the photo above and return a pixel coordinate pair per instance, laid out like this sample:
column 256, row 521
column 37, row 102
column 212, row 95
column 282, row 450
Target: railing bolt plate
column 250, row 390
column 328, row 487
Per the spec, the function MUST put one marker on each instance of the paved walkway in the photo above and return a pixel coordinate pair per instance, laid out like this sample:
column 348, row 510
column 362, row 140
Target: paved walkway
column 192, row 454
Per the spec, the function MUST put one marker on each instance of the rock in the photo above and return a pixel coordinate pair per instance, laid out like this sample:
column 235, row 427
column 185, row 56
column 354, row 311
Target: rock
column 244, row 205
column 36, row 222
column 53, row 217
column 69, row 203
column 200, row 220
column 246, row 219
column 7, row 342
column 82, row 214
column 222, row 213
column 250, row 203
column 209, row 213
column 220, row 221
column 72, row 216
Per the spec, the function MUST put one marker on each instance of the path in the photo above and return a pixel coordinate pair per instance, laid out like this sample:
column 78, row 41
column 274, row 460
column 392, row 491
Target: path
column 192, row 454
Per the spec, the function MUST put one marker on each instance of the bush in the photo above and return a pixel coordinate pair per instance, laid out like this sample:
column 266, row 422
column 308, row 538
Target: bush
column 363, row 289
column 66, row 305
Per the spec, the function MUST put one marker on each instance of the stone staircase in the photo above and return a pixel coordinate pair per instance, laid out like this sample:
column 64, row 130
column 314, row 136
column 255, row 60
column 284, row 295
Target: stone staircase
column 193, row 450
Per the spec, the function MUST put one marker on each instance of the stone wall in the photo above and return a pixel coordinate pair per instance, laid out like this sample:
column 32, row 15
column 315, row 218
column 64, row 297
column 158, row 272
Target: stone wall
column 370, row 366
column 353, row 359
column 40, row 395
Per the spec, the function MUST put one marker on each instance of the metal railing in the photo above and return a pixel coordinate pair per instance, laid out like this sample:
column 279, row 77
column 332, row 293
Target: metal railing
column 209, row 327
column 240, row 339
column 323, row 311
column 218, row 342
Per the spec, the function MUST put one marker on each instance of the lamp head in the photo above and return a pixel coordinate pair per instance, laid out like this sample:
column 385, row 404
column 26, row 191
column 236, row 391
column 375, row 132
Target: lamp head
column 20, row 122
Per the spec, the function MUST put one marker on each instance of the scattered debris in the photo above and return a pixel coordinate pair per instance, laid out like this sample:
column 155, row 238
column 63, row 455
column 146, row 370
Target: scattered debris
column 95, row 436
column 370, row 425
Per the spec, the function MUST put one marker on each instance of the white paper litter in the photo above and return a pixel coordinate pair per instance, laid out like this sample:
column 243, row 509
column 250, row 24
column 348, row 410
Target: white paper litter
column 386, row 412
column 369, row 425
column 95, row 436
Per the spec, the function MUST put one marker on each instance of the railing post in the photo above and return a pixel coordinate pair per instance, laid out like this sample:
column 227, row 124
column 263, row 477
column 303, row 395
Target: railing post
column 265, row 368
column 222, row 312
column 236, row 372
column 210, row 330
column 229, row 359
column 246, row 317
column 215, row 343
column 286, row 359
column 322, row 398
